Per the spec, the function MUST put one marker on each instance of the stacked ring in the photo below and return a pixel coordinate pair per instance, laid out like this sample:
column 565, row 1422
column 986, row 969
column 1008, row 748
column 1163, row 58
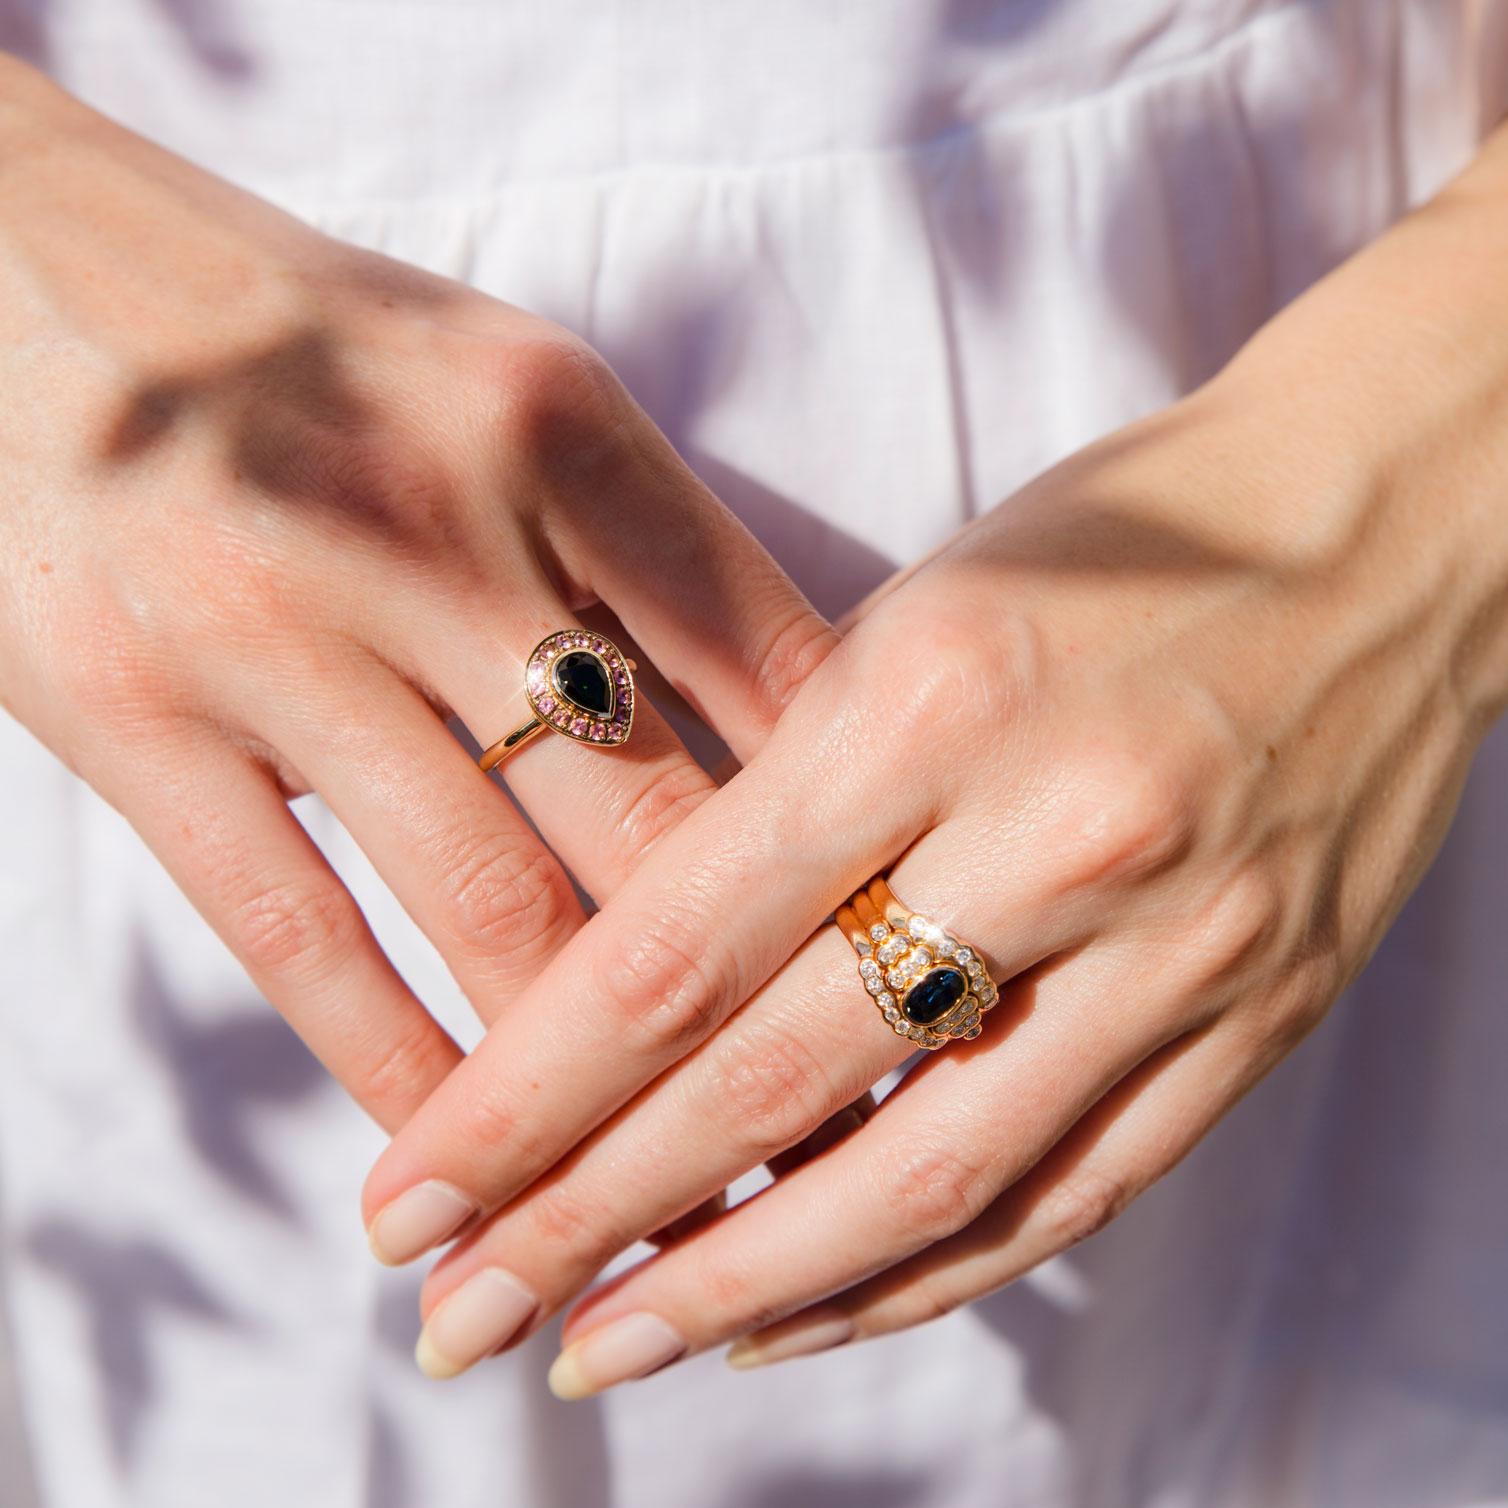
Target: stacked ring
column 929, row 984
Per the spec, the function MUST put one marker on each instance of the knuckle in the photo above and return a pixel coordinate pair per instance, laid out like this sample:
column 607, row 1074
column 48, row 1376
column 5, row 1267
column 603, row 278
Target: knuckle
column 492, row 1120
column 775, row 1086
column 295, row 927
column 501, row 895
column 733, row 1289
column 113, row 671
column 955, row 665
column 1278, row 1020
column 556, row 404
column 1236, row 928
column 789, row 658
column 670, row 795
column 666, row 992
column 1133, row 821
column 1079, row 1204
column 567, row 1226
column 934, row 1192
column 401, row 1069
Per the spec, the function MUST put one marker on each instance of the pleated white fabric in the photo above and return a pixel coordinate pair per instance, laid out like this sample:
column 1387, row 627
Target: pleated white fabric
column 872, row 264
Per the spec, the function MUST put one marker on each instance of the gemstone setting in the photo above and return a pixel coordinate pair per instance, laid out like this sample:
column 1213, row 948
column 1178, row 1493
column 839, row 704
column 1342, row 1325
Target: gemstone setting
column 930, row 987
column 934, row 994
column 581, row 676
column 580, row 684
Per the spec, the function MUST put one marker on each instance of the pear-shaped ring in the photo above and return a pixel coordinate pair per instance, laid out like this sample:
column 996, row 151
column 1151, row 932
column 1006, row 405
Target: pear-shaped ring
column 579, row 684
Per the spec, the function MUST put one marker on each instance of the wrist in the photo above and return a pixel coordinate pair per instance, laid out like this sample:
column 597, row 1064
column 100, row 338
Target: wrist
column 1375, row 411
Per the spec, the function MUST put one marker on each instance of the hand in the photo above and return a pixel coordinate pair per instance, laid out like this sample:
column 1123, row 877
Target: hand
column 275, row 507
column 1170, row 736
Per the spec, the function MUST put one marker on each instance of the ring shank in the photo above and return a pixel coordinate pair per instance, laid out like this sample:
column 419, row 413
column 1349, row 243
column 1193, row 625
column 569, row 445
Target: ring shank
column 498, row 752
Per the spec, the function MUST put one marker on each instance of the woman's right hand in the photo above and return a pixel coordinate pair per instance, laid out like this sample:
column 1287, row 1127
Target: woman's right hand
column 273, row 508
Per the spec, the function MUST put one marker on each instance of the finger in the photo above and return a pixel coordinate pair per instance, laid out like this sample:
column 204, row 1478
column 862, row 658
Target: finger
column 222, row 829
column 784, row 1080
column 834, row 1129
column 785, row 1066
column 736, row 637
column 692, row 1221
column 963, row 1127
column 599, row 809
column 459, row 857
column 694, row 931
column 1142, row 1129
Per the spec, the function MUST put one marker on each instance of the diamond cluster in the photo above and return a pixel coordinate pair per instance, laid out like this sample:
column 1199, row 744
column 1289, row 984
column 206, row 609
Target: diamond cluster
column 559, row 711
column 895, row 959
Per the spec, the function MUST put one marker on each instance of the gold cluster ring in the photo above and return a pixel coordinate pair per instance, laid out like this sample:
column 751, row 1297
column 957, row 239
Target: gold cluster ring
column 927, row 983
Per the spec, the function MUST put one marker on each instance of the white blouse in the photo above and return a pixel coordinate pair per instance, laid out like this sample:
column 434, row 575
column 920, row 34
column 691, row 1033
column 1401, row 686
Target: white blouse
column 871, row 264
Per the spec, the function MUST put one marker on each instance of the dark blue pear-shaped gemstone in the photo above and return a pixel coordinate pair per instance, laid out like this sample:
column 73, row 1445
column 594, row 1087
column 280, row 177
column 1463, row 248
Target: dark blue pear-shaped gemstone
column 934, row 994
column 582, row 679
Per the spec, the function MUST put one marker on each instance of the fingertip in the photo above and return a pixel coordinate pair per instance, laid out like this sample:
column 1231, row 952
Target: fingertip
column 417, row 1221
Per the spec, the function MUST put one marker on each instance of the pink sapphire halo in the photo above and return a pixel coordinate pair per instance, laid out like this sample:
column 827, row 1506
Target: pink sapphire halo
column 582, row 685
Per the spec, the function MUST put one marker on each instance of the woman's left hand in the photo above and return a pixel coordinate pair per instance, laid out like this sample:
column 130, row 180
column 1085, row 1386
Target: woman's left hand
column 1169, row 736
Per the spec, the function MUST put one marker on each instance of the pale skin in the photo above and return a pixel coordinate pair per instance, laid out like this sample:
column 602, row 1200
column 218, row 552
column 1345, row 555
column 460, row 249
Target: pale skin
column 1169, row 735
column 273, row 506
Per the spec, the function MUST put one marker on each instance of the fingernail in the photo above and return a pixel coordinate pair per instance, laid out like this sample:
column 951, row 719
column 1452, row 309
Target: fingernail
column 484, row 1313
column 814, row 1333
column 416, row 1220
column 633, row 1346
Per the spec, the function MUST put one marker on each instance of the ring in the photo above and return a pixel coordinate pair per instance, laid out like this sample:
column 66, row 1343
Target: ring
column 577, row 683
column 929, row 984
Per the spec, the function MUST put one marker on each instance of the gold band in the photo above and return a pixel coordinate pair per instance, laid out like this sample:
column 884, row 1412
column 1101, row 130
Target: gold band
column 928, row 984
column 578, row 684
column 499, row 751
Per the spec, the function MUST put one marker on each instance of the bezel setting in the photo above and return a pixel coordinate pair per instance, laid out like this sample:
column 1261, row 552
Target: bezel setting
column 898, row 955
column 554, row 707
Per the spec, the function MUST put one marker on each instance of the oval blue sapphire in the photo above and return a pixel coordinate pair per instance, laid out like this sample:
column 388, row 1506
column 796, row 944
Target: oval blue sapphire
column 583, row 680
column 934, row 994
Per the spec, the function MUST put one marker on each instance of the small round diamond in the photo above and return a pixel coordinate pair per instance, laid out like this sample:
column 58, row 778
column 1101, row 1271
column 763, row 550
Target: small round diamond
column 946, row 947
column 885, row 1001
column 891, row 949
column 896, row 979
column 878, row 931
column 873, row 986
column 900, row 1028
column 963, row 955
column 975, row 968
column 869, row 968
